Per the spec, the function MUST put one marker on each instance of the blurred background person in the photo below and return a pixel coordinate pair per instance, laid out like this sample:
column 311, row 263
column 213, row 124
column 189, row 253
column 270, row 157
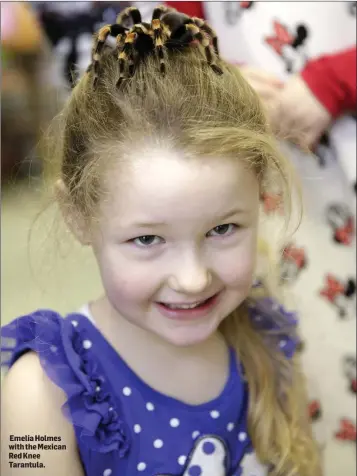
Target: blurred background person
column 21, row 106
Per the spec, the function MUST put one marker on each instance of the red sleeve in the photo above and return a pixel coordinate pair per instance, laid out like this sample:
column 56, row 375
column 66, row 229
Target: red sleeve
column 332, row 79
column 192, row 9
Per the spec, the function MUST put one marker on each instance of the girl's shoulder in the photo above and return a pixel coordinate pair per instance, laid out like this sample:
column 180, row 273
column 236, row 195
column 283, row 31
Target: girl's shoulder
column 67, row 351
column 30, row 413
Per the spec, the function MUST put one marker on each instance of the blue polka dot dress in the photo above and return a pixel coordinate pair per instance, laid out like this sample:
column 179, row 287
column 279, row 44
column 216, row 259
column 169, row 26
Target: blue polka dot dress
column 124, row 427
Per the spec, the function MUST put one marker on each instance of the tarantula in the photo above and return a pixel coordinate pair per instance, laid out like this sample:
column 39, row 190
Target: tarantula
column 168, row 29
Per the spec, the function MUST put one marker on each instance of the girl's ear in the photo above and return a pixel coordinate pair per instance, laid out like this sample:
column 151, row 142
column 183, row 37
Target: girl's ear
column 73, row 218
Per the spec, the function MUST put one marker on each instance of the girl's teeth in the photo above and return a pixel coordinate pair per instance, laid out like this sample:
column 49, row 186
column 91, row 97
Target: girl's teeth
column 184, row 306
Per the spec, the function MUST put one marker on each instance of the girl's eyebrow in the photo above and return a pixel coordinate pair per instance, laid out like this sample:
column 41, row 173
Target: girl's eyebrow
column 161, row 224
column 234, row 211
column 147, row 225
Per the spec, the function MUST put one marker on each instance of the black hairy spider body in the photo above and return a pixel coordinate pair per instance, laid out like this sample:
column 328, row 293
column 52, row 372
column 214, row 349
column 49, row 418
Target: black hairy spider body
column 168, row 30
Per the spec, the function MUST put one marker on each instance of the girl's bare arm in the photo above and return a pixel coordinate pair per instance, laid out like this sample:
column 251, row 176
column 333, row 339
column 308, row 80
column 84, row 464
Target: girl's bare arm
column 31, row 405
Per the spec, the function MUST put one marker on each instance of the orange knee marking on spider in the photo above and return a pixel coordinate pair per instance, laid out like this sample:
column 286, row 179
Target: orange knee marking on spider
column 123, row 55
column 194, row 28
column 158, row 42
column 156, row 24
column 103, row 32
column 131, row 37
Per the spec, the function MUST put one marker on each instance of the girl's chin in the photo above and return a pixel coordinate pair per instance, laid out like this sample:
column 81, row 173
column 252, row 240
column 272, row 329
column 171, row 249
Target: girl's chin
column 184, row 337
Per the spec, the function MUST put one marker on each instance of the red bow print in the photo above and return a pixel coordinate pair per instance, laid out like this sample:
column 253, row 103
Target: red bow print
column 282, row 37
column 333, row 288
column 245, row 4
column 354, row 385
column 297, row 255
column 314, row 409
column 272, row 203
column 347, row 431
column 344, row 234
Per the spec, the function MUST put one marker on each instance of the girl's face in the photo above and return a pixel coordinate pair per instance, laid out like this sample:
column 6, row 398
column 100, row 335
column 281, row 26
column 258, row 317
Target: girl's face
column 176, row 232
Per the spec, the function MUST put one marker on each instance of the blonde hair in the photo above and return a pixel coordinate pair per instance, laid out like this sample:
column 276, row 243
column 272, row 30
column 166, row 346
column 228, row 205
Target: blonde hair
column 204, row 114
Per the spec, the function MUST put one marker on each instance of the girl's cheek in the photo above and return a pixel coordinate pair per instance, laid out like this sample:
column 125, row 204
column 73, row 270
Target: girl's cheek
column 243, row 270
column 237, row 265
column 127, row 278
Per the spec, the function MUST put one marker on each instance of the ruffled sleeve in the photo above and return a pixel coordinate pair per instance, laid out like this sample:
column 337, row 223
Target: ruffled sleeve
column 278, row 325
column 67, row 357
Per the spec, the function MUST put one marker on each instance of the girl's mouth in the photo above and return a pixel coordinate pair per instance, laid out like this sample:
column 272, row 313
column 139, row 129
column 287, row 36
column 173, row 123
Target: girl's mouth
column 189, row 311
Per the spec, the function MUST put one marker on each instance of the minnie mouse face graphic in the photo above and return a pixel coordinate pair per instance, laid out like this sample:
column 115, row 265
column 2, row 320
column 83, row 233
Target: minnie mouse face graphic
column 315, row 411
column 342, row 223
column 293, row 261
column 340, row 294
column 290, row 46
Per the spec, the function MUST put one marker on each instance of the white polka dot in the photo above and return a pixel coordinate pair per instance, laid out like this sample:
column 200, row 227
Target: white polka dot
column 158, row 443
column 97, row 389
column 230, row 426
column 182, row 460
column 75, row 324
column 150, row 407
column 127, row 391
column 174, row 422
column 141, row 467
column 53, row 348
column 195, row 434
column 107, row 472
column 242, row 436
column 87, row 344
column 214, row 414
column 137, row 428
column 283, row 343
column 111, row 409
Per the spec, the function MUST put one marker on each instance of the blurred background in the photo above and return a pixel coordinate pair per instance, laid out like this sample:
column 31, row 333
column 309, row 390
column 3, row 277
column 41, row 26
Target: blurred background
column 46, row 46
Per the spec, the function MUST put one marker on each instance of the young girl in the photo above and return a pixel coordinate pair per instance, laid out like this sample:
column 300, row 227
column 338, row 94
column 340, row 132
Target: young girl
column 183, row 367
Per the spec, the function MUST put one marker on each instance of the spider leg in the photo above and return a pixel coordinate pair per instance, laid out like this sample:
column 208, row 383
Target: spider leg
column 159, row 38
column 204, row 41
column 156, row 25
column 129, row 13
column 125, row 57
column 161, row 10
column 120, row 42
column 206, row 28
column 99, row 43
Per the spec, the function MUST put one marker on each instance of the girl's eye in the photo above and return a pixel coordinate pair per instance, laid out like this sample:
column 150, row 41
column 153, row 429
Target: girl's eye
column 145, row 240
column 222, row 230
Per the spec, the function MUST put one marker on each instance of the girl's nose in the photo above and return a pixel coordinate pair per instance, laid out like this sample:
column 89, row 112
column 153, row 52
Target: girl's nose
column 190, row 277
